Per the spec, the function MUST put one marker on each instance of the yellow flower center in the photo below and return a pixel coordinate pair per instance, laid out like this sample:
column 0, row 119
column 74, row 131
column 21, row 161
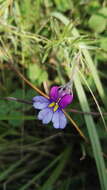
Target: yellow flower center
column 54, row 105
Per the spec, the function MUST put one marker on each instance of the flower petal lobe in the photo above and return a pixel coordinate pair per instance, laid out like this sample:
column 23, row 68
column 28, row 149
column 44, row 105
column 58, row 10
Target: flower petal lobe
column 40, row 102
column 59, row 120
column 54, row 93
column 65, row 100
column 45, row 115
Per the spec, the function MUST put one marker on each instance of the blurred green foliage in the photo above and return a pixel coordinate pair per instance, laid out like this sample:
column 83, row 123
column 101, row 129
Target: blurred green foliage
column 43, row 39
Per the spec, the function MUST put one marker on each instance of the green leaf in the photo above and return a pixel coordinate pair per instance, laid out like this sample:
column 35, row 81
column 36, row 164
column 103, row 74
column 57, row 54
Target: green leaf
column 97, row 23
column 103, row 12
column 44, row 77
column 63, row 5
column 34, row 72
column 103, row 43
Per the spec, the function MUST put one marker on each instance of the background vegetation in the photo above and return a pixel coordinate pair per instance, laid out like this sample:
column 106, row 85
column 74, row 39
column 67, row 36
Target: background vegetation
column 44, row 38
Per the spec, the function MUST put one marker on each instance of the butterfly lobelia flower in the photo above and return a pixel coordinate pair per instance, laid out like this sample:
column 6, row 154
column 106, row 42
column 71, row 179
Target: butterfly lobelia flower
column 52, row 108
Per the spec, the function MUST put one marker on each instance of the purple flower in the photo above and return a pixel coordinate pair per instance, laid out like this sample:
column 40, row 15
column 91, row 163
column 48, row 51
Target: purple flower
column 51, row 109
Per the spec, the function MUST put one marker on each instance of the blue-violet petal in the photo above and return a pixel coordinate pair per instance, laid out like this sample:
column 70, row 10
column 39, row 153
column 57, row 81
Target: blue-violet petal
column 40, row 102
column 45, row 115
column 59, row 120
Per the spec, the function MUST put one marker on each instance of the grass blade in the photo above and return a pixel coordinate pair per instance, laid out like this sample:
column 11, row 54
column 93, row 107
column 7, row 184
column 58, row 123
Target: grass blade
column 9, row 170
column 57, row 171
column 96, row 147
column 36, row 177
